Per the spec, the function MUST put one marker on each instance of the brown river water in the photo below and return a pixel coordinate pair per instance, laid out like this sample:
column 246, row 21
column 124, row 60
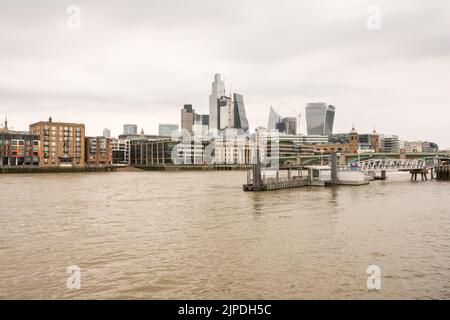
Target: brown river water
column 197, row 235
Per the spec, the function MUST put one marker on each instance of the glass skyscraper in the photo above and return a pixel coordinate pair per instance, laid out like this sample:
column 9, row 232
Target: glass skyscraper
column 217, row 91
column 274, row 119
column 130, row 129
column 320, row 118
column 225, row 114
column 240, row 117
column 166, row 130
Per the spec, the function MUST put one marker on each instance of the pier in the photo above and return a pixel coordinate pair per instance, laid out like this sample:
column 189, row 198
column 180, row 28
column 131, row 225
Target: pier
column 268, row 179
column 443, row 172
column 332, row 174
column 423, row 174
column 296, row 176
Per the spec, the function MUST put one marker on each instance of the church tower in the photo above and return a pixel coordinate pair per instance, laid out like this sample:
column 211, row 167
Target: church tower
column 375, row 141
column 354, row 141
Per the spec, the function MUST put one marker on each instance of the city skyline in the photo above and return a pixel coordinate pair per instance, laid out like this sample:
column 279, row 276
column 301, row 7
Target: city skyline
column 224, row 159
column 111, row 78
column 134, row 129
column 275, row 122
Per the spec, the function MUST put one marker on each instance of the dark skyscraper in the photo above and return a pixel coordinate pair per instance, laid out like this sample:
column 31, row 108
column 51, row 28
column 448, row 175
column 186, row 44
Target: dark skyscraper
column 240, row 117
column 287, row 125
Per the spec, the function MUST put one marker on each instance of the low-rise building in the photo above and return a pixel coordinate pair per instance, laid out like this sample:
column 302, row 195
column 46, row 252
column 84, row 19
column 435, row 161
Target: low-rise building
column 234, row 150
column 141, row 136
column 430, row 147
column 192, row 152
column 420, row 146
column 389, row 143
column 348, row 148
column 18, row 148
column 121, row 150
column 151, row 152
column 314, row 139
column 98, row 152
column 366, row 142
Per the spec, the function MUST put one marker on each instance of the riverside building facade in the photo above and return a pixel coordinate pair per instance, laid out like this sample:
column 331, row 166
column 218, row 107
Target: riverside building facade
column 18, row 148
column 152, row 152
column 98, row 151
column 167, row 152
column 60, row 144
column 121, row 150
column 233, row 149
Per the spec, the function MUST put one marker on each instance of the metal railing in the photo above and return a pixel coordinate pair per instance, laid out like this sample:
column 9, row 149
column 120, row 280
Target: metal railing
column 394, row 164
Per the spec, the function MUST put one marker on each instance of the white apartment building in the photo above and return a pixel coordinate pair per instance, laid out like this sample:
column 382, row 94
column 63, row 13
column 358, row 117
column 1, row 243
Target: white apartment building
column 121, row 150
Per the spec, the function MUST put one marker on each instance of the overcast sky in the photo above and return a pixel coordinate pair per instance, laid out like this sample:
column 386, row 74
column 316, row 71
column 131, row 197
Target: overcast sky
column 140, row 61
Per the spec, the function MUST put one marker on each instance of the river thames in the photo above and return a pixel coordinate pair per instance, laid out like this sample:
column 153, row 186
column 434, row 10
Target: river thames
column 197, row 235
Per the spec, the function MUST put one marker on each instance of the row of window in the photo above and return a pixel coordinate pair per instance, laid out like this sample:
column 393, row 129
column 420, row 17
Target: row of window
column 23, row 154
column 53, row 161
column 61, row 139
column 53, row 128
column 19, row 142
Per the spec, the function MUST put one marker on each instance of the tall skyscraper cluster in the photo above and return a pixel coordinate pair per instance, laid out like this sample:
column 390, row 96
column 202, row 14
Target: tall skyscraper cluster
column 226, row 112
